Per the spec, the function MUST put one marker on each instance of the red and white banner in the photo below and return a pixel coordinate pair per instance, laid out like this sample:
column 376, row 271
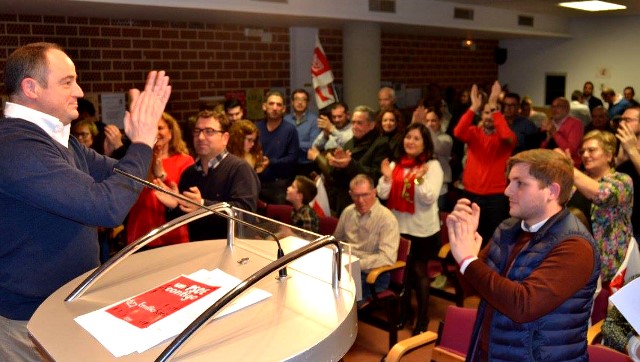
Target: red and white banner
column 322, row 77
column 629, row 268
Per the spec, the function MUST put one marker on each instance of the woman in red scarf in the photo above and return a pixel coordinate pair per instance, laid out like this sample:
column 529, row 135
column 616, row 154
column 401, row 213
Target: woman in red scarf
column 411, row 185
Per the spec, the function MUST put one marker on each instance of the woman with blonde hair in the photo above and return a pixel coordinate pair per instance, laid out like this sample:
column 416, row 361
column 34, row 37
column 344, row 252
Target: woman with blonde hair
column 170, row 158
column 85, row 131
column 244, row 142
column 611, row 195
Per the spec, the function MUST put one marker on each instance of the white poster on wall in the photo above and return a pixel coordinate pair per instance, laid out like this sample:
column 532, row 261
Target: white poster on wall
column 113, row 107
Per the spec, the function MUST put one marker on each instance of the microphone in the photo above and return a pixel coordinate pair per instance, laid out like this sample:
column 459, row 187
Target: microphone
column 282, row 273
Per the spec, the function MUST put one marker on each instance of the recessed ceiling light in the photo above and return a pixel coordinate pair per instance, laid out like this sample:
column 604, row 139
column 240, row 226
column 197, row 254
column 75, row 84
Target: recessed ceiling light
column 592, row 5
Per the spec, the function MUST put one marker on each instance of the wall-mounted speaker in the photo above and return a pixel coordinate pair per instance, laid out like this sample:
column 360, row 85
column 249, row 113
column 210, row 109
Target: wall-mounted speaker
column 500, row 55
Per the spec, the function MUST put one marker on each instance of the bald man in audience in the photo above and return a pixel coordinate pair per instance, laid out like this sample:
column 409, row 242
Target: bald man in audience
column 562, row 130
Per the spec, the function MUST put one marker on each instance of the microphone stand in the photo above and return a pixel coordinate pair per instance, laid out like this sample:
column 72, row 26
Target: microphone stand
column 282, row 273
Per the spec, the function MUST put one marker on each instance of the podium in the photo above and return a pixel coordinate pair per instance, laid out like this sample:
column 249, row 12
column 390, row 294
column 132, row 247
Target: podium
column 310, row 315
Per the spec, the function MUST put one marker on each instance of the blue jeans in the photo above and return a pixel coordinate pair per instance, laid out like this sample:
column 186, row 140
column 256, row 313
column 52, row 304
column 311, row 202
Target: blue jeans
column 381, row 284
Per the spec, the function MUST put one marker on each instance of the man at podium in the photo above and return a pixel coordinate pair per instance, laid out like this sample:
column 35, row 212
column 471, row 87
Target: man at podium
column 54, row 192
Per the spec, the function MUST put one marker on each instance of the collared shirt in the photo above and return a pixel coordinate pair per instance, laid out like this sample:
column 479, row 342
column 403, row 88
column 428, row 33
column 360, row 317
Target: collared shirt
column 374, row 236
column 533, row 228
column 298, row 121
column 213, row 163
column 50, row 124
column 337, row 138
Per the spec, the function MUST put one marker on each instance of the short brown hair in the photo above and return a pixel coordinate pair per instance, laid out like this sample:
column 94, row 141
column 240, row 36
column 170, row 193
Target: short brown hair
column 307, row 188
column 547, row 166
column 29, row 61
column 219, row 116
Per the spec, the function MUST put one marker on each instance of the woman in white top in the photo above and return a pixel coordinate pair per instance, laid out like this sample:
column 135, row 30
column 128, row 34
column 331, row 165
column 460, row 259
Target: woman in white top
column 411, row 185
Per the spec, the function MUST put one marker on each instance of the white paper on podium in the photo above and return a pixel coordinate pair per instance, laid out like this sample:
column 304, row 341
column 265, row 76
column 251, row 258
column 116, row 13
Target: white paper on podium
column 122, row 338
column 626, row 300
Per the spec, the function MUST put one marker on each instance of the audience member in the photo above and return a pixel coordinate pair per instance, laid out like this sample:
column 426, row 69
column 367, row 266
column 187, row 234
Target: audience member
column 244, row 142
column 306, row 123
column 115, row 143
column 578, row 109
column 562, row 130
column 411, row 186
column 611, row 194
column 54, row 191
column 280, row 145
column 537, row 275
column 617, row 103
column 458, row 149
column 588, row 98
column 386, row 98
column 629, row 94
column 619, row 334
column 391, row 125
column 361, row 154
column 87, row 111
column 233, row 110
column 371, row 229
column 457, row 108
column 442, row 144
column 527, row 111
column 522, row 127
column 335, row 132
column 628, row 158
column 301, row 192
column 170, row 158
column 489, row 146
column 85, row 131
column 216, row 176
column 599, row 121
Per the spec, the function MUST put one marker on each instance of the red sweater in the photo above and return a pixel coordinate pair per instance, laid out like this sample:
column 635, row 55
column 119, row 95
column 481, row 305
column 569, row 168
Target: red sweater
column 487, row 155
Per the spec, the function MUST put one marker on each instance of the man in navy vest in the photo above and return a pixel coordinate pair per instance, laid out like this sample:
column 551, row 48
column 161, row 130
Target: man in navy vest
column 537, row 275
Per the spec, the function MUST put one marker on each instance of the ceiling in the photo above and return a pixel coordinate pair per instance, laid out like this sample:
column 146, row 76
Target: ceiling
column 550, row 7
column 101, row 9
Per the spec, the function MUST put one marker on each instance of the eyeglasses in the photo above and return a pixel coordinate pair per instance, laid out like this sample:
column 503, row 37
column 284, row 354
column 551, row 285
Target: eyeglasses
column 83, row 134
column 591, row 150
column 360, row 196
column 207, row 131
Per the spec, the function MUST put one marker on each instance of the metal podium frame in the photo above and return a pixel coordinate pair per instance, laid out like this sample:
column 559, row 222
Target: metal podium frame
column 332, row 341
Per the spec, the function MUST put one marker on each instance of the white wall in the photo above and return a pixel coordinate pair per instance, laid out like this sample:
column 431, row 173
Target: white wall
column 611, row 44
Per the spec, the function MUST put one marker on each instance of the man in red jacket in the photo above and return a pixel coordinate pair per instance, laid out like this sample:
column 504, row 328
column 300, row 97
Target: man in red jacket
column 489, row 146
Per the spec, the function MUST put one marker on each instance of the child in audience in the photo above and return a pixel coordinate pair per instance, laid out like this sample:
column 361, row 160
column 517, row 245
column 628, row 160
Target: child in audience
column 300, row 194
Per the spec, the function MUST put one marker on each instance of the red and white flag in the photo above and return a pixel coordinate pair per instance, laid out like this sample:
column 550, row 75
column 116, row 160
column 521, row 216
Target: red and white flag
column 629, row 268
column 322, row 77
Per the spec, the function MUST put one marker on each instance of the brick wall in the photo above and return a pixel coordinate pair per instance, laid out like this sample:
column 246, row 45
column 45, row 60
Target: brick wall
column 208, row 60
column 113, row 55
column 418, row 60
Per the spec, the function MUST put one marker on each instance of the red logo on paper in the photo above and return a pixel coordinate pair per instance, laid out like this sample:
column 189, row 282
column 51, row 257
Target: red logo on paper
column 153, row 305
